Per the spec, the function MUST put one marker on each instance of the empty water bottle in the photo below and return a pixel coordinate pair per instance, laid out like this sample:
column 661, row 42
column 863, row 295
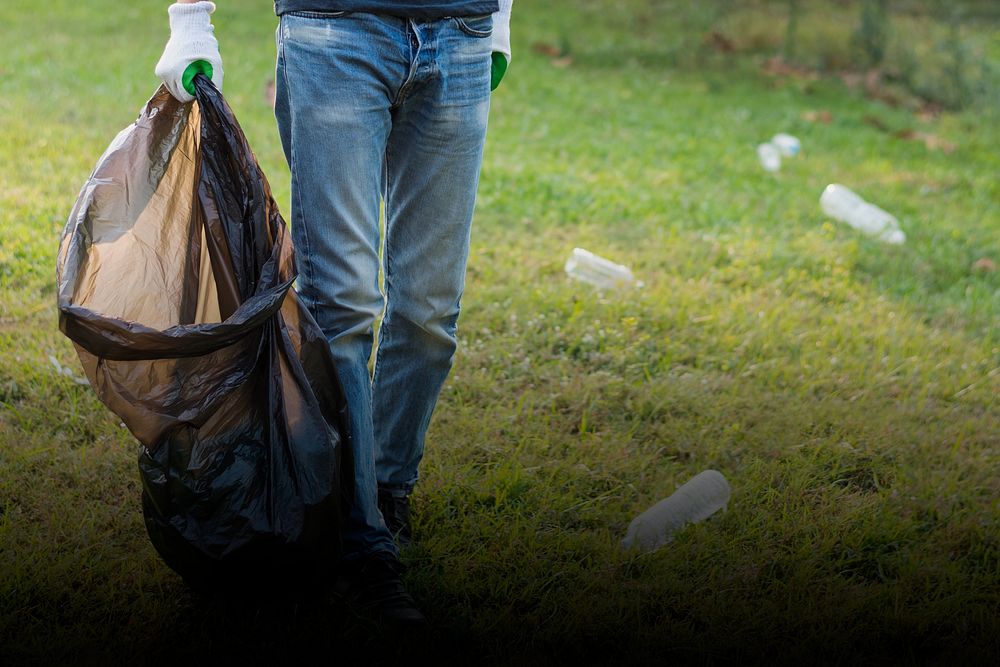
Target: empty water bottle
column 598, row 271
column 699, row 498
column 840, row 203
column 786, row 144
column 769, row 156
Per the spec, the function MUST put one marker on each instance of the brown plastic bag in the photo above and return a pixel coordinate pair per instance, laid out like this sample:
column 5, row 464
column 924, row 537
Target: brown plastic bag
column 174, row 273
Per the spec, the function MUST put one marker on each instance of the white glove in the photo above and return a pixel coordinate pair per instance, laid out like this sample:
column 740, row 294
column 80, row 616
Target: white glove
column 192, row 38
column 501, row 29
column 500, row 44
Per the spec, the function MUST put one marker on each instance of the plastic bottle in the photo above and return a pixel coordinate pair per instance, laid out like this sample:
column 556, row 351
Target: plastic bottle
column 598, row 271
column 840, row 203
column 769, row 156
column 786, row 144
column 699, row 498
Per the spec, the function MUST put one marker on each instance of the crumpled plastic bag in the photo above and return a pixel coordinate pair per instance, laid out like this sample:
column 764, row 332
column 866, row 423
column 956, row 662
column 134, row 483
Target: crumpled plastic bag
column 175, row 276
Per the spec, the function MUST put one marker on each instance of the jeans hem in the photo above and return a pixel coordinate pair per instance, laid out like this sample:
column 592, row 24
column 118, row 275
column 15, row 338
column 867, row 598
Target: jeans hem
column 376, row 552
column 395, row 489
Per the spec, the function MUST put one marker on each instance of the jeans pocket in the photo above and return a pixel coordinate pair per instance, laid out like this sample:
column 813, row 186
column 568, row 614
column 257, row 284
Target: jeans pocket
column 317, row 15
column 475, row 26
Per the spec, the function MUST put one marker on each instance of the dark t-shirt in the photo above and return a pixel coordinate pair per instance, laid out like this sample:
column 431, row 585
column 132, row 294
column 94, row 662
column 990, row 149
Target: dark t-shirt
column 432, row 9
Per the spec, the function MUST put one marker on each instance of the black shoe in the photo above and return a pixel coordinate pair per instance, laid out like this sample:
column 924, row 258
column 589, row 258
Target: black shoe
column 395, row 508
column 373, row 587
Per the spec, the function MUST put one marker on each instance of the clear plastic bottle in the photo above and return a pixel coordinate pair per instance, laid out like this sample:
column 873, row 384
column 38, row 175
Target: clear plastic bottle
column 598, row 271
column 769, row 156
column 840, row 203
column 786, row 144
column 699, row 498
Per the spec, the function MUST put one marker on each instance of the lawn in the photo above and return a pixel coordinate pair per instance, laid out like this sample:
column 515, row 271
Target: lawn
column 849, row 390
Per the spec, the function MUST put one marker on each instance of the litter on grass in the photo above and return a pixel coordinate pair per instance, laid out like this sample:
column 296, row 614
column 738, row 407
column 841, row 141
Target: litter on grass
column 786, row 144
column 770, row 157
column 598, row 271
column 840, row 203
column 699, row 498
column 781, row 145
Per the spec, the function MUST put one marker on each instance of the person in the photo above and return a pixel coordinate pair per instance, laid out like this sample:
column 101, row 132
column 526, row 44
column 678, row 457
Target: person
column 378, row 102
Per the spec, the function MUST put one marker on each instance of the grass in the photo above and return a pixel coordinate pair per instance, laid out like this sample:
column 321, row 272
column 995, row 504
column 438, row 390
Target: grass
column 847, row 389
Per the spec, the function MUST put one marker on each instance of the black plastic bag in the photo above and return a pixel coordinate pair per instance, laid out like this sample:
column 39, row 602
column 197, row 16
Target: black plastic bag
column 175, row 272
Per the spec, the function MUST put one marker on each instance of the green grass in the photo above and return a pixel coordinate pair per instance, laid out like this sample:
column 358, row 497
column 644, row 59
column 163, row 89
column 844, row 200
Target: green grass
column 847, row 389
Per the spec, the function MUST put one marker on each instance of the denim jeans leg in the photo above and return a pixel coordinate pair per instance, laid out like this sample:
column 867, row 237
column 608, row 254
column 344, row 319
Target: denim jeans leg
column 433, row 159
column 335, row 82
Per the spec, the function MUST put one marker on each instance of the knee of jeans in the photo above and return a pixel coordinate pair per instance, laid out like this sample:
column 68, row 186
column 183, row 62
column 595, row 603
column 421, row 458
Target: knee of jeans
column 346, row 315
column 436, row 324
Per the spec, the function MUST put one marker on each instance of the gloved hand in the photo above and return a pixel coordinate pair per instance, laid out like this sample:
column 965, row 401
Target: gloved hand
column 501, row 43
column 192, row 49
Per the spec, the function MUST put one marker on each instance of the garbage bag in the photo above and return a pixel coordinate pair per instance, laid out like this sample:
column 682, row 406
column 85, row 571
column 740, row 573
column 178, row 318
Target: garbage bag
column 175, row 275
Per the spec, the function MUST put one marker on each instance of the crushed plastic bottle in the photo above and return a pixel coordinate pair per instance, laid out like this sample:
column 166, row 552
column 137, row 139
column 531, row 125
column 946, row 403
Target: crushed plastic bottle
column 598, row 271
column 769, row 156
column 786, row 144
column 699, row 498
column 780, row 145
column 840, row 203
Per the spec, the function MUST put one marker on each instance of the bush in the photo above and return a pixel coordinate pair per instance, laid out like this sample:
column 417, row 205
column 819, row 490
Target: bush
column 928, row 47
column 873, row 32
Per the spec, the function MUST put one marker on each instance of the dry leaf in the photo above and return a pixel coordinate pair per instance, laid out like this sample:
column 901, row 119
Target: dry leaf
column 875, row 122
column 851, row 79
column 931, row 141
column 935, row 143
column 823, row 116
column 873, row 81
column 719, row 42
column 776, row 66
column 929, row 111
column 984, row 265
column 546, row 49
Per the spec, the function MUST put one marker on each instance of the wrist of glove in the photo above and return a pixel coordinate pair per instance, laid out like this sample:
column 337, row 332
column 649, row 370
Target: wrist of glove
column 501, row 43
column 191, row 49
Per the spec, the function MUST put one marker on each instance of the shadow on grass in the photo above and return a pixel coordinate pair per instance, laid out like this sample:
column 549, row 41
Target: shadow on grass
column 231, row 631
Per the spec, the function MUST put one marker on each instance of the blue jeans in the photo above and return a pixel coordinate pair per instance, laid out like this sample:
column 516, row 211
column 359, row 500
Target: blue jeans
column 377, row 109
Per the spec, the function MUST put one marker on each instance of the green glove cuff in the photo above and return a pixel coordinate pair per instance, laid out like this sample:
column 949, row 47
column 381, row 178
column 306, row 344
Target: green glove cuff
column 496, row 73
column 197, row 67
